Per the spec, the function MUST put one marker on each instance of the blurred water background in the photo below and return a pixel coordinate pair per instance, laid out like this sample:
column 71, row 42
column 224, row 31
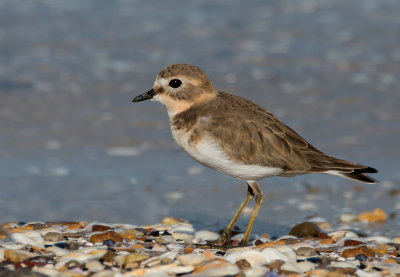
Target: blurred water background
column 74, row 147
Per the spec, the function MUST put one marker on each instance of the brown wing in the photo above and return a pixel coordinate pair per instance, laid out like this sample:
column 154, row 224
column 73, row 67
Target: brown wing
column 251, row 142
column 255, row 136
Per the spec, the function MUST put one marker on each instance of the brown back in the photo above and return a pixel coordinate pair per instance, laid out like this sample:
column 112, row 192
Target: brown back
column 255, row 136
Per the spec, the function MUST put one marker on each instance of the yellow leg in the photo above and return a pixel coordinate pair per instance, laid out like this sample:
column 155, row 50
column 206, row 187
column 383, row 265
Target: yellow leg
column 259, row 198
column 227, row 232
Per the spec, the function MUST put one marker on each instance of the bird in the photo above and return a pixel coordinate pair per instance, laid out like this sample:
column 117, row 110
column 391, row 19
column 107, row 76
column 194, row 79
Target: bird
column 239, row 138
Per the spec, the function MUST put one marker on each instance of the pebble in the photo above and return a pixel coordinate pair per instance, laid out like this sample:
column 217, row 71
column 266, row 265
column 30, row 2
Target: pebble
column 99, row 228
column 186, row 237
column 53, row 236
column 73, row 256
column 168, row 256
column 152, row 262
column 109, row 235
column 119, row 260
column 163, row 270
column 29, row 237
column 94, row 266
column 324, row 225
column 242, row 264
column 396, row 240
column 256, row 272
column 361, row 273
column 352, row 242
column 254, row 258
column 104, row 273
column 305, row 251
column 291, row 267
column 305, row 229
column 57, row 250
column 377, row 215
column 217, row 268
column 286, row 237
column 236, row 250
column 353, row 252
column 175, row 247
column 167, row 250
column 348, row 218
column 171, row 221
column 383, row 249
column 3, row 235
column 306, row 266
column 393, row 268
column 348, row 264
column 136, row 258
column 190, row 259
column 183, row 228
column 203, row 236
column 361, row 257
column 287, row 251
column 377, row 239
column 17, row 256
column 131, row 234
column 298, row 245
column 272, row 273
column 272, row 254
column 337, row 235
column 44, row 231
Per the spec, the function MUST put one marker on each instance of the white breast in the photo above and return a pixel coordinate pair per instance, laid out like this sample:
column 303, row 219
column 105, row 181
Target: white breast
column 209, row 153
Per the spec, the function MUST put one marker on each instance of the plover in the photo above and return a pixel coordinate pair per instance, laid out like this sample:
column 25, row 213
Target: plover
column 239, row 138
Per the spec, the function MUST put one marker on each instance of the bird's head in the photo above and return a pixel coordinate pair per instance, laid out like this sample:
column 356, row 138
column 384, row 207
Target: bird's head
column 179, row 86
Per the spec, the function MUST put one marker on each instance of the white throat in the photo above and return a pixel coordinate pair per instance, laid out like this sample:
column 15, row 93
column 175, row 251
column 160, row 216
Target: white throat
column 173, row 106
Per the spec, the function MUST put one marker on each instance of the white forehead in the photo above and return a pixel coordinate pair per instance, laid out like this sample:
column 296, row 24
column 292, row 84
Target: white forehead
column 161, row 82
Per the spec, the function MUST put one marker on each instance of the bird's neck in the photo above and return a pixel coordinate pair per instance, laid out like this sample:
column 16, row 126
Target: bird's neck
column 176, row 107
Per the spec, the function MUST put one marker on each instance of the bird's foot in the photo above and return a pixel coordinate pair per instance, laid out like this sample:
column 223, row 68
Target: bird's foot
column 224, row 241
column 243, row 243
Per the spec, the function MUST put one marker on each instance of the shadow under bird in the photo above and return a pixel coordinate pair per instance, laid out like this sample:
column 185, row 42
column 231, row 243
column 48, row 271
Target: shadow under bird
column 239, row 138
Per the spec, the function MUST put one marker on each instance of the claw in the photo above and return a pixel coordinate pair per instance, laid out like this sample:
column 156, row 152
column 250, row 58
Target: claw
column 243, row 243
column 223, row 241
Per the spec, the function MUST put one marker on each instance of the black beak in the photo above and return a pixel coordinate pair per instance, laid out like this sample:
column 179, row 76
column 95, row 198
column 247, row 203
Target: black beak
column 144, row 96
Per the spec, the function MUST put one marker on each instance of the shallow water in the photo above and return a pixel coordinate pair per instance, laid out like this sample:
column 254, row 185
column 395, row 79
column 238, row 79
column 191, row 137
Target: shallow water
column 73, row 146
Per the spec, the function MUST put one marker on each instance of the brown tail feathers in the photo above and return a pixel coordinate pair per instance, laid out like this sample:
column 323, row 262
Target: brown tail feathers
column 361, row 175
column 323, row 163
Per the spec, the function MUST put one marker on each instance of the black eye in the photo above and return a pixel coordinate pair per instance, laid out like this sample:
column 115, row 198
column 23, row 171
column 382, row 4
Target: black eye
column 175, row 83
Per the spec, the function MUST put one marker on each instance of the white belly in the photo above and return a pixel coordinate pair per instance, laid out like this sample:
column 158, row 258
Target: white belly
column 209, row 153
